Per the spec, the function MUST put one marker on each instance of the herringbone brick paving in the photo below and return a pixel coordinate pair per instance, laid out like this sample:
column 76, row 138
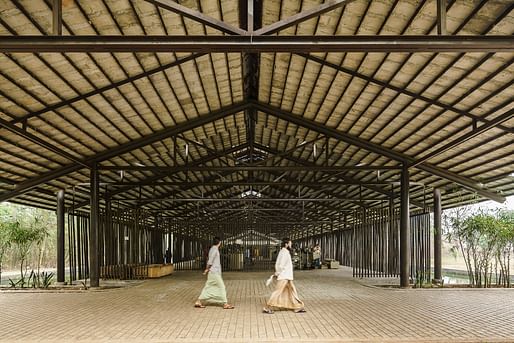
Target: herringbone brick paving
column 340, row 309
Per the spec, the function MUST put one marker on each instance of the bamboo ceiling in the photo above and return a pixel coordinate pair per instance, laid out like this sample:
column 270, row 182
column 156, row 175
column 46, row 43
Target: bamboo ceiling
column 87, row 104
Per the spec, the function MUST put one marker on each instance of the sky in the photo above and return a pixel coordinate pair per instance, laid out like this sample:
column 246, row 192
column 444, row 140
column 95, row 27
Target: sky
column 491, row 205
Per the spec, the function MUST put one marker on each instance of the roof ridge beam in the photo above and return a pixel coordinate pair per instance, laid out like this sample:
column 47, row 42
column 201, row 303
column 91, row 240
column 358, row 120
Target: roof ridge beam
column 465, row 182
column 27, row 185
column 198, row 16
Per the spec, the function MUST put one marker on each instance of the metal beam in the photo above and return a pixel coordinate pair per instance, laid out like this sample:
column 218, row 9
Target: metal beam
column 106, row 88
column 25, row 186
column 39, row 141
column 214, row 44
column 329, row 5
column 173, row 169
column 328, row 132
column 60, row 236
column 437, row 236
column 399, row 90
column 94, row 260
column 197, row 16
column 472, row 134
column 57, row 17
column 247, row 183
column 441, row 17
column 374, row 188
column 250, row 17
column 7, row 181
column 161, row 176
column 405, row 230
column 350, row 139
column 142, row 201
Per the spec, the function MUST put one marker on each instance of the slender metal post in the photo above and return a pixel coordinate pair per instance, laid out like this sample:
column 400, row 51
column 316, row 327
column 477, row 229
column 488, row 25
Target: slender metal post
column 57, row 17
column 404, row 229
column 437, row 235
column 93, row 235
column 60, row 236
column 441, row 17
column 108, row 234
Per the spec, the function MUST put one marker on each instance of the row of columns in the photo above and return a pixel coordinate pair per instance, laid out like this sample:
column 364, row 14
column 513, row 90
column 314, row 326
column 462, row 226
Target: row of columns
column 405, row 231
column 94, row 261
column 94, row 268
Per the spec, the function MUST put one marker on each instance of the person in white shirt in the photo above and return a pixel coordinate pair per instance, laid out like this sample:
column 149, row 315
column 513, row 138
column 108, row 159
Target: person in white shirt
column 285, row 296
column 214, row 290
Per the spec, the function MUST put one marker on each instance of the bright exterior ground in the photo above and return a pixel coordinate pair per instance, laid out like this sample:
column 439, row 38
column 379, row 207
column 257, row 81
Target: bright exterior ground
column 340, row 309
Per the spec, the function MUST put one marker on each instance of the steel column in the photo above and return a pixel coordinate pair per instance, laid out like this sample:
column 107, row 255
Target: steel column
column 441, row 17
column 404, row 229
column 437, row 235
column 60, row 236
column 57, row 17
column 94, row 275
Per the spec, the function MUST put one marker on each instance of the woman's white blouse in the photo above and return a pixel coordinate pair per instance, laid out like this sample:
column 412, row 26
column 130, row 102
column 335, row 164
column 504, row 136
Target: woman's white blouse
column 284, row 265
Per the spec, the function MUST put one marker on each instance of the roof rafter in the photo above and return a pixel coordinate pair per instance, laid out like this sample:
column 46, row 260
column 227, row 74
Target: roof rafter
column 401, row 90
column 350, row 139
column 374, row 188
column 107, row 88
column 41, row 142
column 126, row 147
column 197, row 16
column 158, row 177
column 295, row 19
column 473, row 133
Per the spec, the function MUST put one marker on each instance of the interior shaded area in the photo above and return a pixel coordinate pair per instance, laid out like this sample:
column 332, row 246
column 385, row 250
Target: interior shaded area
column 153, row 126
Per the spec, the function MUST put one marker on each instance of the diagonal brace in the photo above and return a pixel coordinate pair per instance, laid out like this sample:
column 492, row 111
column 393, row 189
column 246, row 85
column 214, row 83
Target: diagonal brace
column 197, row 16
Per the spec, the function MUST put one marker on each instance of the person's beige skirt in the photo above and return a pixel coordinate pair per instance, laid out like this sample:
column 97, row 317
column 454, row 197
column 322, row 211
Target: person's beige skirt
column 285, row 296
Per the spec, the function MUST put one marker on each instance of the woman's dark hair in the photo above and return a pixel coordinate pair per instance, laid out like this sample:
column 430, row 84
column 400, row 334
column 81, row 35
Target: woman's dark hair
column 285, row 240
column 216, row 240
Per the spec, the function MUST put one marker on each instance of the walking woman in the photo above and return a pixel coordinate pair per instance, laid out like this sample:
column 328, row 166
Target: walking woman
column 214, row 290
column 285, row 296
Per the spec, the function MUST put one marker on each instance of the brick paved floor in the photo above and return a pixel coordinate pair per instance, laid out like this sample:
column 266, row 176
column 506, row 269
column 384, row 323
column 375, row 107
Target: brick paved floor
column 340, row 309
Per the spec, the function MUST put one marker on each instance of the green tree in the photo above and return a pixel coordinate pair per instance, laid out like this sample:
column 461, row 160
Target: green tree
column 482, row 233
column 5, row 240
column 505, row 246
column 485, row 240
column 22, row 237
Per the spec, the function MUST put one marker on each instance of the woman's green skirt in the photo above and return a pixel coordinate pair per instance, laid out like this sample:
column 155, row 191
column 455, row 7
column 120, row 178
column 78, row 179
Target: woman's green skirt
column 214, row 290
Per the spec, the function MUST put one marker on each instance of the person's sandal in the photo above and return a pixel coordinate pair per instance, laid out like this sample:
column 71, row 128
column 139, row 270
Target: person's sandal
column 302, row 310
column 228, row 307
column 267, row 310
column 199, row 305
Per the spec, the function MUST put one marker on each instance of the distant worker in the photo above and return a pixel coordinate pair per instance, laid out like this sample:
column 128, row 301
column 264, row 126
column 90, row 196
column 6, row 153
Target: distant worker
column 167, row 256
column 316, row 256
